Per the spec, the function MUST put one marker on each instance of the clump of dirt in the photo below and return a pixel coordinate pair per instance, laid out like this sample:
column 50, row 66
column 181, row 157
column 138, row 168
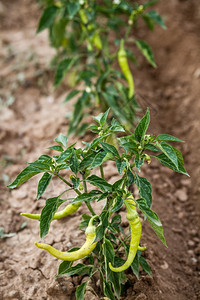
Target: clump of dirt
column 31, row 121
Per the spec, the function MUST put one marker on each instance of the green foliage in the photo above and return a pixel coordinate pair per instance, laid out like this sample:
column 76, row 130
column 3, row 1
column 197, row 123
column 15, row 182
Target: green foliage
column 129, row 152
column 81, row 32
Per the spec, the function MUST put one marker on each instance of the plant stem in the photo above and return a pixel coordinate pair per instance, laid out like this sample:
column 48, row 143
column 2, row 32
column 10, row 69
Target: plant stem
column 90, row 208
column 87, row 203
column 68, row 183
column 102, row 173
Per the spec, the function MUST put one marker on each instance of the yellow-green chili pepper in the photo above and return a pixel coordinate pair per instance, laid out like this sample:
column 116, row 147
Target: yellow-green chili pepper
column 96, row 40
column 123, row 62
column 85, row 250
column 136, row 231
column 68, row 210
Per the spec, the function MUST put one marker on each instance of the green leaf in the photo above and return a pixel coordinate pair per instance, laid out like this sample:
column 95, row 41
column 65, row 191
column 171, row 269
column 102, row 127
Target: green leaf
column 87, row 161
column 145, row 265
column 164, row 160
column 100, row 183
column 150, row 3
column 79, row 269
column 74, row 164
column 108, row 253
column 139, row 161
column 47, row 215
column 75, row 182
column 65, row 155
column 64, row 267
column 26, row 174
column 104, row 118
column 62, row 140
column 43, row 183
column 71, row 95
column 73, row 8
column 62, row 69
column 108, row 290
column 156, row 18
column 110, row 149
column 58, row 32
column 144, row 187
column 121, row 164
column 167, row 138
column 130, row 177
column 153, row 219
column 117, row 204
column 104, row 216
column 56, row 148
column 98, row 160
column 169, row 151
column 146, row 51
column 84, row 197
column 47, row 18
column 80, row 291
column 135, row 266
column 142, row 127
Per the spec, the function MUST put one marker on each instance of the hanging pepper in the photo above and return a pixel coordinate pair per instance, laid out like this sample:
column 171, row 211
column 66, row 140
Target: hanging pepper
column 85, row 250
column 136, row 231
column 123, row 62
column 68, row 210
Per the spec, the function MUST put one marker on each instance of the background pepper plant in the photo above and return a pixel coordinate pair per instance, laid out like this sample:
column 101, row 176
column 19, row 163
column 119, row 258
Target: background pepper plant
column 106, row 244
column 90, row 37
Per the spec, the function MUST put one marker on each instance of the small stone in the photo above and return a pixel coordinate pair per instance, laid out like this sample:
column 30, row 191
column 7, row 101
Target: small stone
column 181, row 195
column 190, row 252
column 141, row 296
column 165, row 265
column 191, row 243
column 193, row 232
column 181, row 215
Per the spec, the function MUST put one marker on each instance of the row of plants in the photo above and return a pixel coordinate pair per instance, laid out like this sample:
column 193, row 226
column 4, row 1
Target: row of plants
column 94, row 42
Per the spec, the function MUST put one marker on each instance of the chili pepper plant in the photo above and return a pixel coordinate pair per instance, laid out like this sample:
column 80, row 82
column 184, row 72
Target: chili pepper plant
column 92, row 38
column 108, row 251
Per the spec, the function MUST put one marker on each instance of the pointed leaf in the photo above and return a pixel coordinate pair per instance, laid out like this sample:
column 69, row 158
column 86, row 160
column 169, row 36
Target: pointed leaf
column 47, row 215
column 80, row 291
column 100, row 182
column 153, row 219
column 47, row 18
column 62, row 140
column 43, row 183
column 164, row 160
column 146, row 51
column 167, row 138
column 142, row 127
column 110, row 149
column 71, row 95
column 62, row 69
column 26, row 174
column 169, row 151
column 144, row 264
column 144, row 187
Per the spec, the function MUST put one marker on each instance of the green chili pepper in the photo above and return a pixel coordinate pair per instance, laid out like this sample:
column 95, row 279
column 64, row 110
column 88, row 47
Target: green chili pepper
column 123, row 62
column 136, row 231
column 68, row 210
column 85, row 250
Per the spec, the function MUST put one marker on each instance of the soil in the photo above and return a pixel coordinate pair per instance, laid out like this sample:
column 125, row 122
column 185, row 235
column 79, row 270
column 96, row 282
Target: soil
column 32, row 116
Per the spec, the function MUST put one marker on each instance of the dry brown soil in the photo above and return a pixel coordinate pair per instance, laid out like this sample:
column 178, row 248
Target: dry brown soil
column 30, row 118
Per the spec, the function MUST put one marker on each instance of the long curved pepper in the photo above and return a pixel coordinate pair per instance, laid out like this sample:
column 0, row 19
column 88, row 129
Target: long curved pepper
column 123, row 62
column 85, row 250
column 136, row 231
column 68, row 210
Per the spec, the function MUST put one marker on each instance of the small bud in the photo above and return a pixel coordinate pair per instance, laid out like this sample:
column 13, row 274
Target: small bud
column 88, row 89
column 130, row 22
column 80, row 187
